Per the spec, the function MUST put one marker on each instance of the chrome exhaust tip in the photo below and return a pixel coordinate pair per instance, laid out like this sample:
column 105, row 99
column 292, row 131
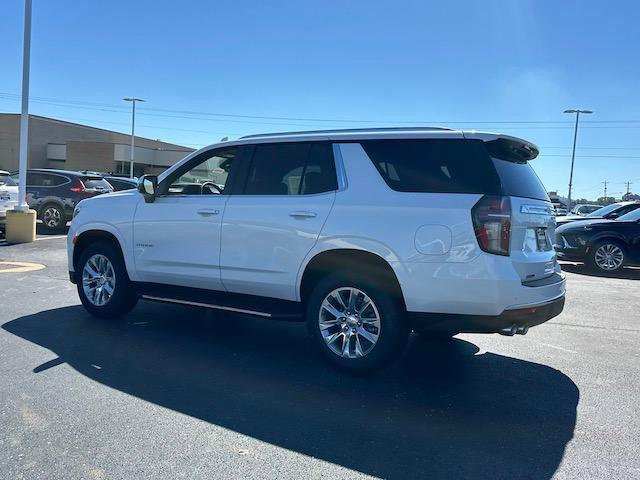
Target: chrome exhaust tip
column 522, row 330
column 508, row 331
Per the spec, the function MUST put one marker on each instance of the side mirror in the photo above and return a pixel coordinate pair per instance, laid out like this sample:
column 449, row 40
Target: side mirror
column 613, row 215
column 148, row 187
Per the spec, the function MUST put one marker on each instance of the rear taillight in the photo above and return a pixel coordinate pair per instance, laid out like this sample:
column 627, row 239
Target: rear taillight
column 492, row 224
column 78, row 187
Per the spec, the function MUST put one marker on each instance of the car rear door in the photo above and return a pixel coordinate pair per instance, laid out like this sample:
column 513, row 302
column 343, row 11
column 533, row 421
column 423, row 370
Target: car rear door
column 272, row 225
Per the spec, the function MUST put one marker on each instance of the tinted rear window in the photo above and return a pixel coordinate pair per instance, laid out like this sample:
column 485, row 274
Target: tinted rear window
column 519, row 180
column 121, row 184
column 442, row 165
column 96, row 183
column 291, row 169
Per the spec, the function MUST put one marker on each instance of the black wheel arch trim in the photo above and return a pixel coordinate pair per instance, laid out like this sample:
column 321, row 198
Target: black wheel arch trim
column 88, row 237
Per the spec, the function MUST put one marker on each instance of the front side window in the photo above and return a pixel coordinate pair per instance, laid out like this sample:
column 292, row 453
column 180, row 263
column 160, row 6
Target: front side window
column 208, row 177
column 626, row 209
column 291, row 169
column 604, row 211
column 632, row 216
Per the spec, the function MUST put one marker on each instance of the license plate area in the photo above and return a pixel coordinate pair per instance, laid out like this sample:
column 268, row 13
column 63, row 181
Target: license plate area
column 542, row 242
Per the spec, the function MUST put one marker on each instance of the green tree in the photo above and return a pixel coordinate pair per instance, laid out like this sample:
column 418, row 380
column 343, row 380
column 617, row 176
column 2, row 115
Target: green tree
column 606, row 200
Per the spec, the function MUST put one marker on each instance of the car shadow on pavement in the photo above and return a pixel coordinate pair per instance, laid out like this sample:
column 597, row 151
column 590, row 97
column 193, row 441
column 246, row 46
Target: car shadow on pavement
column 625, row 274
column 443, row 410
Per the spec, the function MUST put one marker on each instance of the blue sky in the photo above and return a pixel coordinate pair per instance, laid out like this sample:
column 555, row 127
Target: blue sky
column 463, row 64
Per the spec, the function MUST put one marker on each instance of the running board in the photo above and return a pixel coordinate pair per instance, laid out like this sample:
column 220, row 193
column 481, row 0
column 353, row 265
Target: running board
column 229, row 302
column 206, row 305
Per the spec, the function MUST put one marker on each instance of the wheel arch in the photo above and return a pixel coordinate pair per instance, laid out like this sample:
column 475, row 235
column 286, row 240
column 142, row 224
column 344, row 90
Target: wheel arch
column 352, row 259
column 89, row 236
column 607, row 236
column 50, row 201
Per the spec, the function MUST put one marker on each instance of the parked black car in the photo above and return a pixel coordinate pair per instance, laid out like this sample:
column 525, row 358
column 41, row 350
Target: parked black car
column 53, row 194
column 610, row 212
column 605, row 245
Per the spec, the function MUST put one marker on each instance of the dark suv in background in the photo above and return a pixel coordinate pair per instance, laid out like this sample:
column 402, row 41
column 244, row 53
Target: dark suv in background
column 53, row 194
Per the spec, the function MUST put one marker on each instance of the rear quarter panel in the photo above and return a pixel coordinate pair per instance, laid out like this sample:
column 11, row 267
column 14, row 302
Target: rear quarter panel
column 402, row 228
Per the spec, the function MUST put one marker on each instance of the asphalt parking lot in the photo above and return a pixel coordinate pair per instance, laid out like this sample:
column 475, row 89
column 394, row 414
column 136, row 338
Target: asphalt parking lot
column 174, row 392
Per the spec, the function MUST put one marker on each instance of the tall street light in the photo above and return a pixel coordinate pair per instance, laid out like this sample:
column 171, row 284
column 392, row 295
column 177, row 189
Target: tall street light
column 573, row 154
column 21, row 221
column 24, row 115
column 133, row 101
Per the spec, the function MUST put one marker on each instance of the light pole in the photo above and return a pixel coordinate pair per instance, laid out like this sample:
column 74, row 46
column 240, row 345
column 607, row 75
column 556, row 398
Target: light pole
column 573, row 154
column 24, row 114
column 21, row 221
column 133, row 101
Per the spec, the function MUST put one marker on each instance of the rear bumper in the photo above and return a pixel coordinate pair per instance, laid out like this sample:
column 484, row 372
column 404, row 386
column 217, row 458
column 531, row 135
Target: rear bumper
column 510, row 321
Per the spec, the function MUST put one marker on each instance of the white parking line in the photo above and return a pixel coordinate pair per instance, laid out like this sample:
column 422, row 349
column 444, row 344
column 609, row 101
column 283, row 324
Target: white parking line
column 556, row 347
column 51, row 236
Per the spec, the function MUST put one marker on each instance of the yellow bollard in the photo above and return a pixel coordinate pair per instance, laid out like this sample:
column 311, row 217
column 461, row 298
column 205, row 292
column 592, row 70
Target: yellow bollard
column 20, row 226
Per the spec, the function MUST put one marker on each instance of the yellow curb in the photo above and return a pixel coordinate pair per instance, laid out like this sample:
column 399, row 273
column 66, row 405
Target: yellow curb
column 20, row 267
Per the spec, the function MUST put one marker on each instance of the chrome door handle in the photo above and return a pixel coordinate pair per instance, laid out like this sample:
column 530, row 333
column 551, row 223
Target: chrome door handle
column 302, row 214
column 205, row 212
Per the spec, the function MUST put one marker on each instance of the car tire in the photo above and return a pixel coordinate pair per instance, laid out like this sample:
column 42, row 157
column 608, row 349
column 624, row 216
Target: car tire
column 607, row 256
column 370, row 344
column 103, row 283
column 52, row 216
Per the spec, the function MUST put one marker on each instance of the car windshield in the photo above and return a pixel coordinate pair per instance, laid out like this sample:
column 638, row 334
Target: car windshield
column 7, row 181
column 632, row 216
column 601, row 212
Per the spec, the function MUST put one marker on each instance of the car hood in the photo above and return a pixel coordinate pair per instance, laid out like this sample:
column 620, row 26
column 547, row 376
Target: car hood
column 110, row 196
column 582, row 223
column 572, row 218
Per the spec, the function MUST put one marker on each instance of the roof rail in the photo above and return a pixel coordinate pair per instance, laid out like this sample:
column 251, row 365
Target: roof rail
column 348, row 130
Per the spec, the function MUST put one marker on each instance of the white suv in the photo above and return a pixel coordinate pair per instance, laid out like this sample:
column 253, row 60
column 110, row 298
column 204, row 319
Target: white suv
column 365, row 234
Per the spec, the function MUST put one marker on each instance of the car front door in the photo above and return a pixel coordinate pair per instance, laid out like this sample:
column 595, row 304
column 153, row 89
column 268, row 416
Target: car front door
column 177, row 237
column 269, row 228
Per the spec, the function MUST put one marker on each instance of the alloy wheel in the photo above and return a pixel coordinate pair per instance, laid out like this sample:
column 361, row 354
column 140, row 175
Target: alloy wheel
column 52, row 217
column 609, row 257
column 98, row 280
column 349, row 322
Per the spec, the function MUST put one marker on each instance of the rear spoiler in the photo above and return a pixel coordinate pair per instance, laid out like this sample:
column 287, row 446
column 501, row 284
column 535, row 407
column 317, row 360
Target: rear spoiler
column 506, row 147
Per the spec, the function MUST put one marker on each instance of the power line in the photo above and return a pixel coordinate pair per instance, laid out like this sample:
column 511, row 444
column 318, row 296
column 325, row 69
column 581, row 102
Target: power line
column 119, row 108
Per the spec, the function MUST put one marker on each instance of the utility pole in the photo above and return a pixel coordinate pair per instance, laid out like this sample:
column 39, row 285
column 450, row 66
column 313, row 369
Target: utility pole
column 628, row 184
column 605, row 190
column 133, row 101
column 573, row 154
